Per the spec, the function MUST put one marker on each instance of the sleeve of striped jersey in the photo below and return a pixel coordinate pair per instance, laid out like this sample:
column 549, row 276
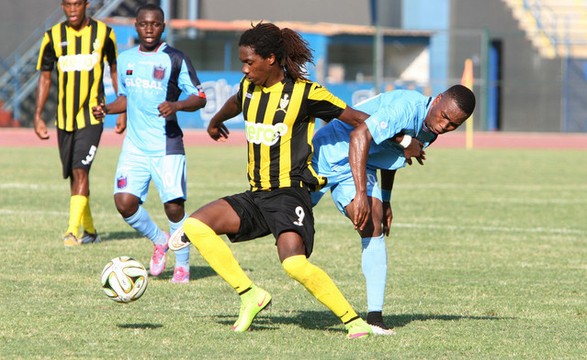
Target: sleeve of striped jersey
column 110, row 50
column 47, row 57
column 323, row 104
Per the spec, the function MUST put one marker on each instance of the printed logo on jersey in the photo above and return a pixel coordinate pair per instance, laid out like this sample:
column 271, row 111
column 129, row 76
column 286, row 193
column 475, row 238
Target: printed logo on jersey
column 121, row 182
column 283, row 103
column 158, row 72
column 97, row 45
column 79, row 62
column 142, row 83
column 130, row 68
column 264, row 134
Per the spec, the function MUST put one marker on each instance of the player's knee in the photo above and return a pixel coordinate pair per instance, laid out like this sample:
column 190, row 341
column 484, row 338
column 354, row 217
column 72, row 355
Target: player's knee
column 126, row 205
column 175, row 210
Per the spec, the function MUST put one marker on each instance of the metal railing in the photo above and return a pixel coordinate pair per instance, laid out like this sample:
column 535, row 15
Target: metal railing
column 20, row 76
column 552, row 26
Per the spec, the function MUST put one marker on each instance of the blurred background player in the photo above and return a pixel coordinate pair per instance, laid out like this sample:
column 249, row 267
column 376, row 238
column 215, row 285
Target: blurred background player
column 279, row 106
column 350, row 157
column 80, row 46
column 152, row 77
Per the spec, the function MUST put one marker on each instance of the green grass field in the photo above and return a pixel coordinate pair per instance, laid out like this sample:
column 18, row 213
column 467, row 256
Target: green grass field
column 488, row 260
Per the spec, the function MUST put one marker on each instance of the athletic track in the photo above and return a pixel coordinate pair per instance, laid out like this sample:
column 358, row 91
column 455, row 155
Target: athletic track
column 25, row 137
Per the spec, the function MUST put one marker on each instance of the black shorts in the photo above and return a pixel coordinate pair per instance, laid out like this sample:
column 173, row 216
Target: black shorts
column 77, row 149
column 274, row 212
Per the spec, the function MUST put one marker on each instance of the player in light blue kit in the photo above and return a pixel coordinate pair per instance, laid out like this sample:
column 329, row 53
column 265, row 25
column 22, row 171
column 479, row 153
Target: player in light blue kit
column 152, row 76
column 350, row 158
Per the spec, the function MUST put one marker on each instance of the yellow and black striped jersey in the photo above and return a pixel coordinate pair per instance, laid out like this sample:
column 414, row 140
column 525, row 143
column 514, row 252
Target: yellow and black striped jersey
column 279, row 125
column 80, row 57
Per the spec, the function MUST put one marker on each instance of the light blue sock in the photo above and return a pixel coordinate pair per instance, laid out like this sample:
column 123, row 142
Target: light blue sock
column 374, row 265
column 142, row 223
column 182, row 257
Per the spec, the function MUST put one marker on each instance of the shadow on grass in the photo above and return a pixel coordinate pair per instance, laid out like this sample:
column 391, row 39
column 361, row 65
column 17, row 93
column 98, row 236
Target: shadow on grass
column 403, row 320
column 317, row 320
column 144, row 326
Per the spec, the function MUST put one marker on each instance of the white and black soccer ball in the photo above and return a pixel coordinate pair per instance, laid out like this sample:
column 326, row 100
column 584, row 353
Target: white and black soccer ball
column 124, row 279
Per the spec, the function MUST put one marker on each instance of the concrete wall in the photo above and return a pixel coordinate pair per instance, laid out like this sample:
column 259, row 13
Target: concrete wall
column 531, row 97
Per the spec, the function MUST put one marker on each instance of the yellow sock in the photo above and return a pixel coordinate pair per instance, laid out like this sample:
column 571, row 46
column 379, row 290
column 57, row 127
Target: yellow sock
column 319, row 284
column 87, row 220
column 215, row 251
column 77, row 203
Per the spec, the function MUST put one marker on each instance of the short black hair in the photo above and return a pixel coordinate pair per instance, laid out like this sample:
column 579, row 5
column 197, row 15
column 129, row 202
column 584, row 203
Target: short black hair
column 464, row 98
column 150, row 7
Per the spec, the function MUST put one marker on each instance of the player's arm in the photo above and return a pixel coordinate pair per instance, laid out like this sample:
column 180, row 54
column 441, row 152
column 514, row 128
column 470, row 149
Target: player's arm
column 43, row 86
column 120, row 125
column 360, row 141
column 111, row 54
column 118, row 106
column 190, row 104
column 114, row 77
column 188, row 82
column 353, row 117
column 387, row 178
column 231, row 108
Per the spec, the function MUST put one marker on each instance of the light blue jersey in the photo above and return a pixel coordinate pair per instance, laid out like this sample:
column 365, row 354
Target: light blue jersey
column 391, row 113
column 147, row 79
column 153, row 146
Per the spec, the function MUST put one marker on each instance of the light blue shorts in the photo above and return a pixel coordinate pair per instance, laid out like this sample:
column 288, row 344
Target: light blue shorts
column 342, row 187
column 135, row 171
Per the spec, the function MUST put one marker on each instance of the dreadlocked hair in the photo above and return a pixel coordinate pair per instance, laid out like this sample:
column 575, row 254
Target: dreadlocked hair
column 291, row 51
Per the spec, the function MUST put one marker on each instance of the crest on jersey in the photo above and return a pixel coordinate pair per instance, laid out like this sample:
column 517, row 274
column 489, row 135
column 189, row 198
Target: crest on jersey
column 283, row 102
column 158, row 72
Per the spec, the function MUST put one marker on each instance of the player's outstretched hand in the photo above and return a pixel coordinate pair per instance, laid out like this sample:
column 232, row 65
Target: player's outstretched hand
column 415, row 150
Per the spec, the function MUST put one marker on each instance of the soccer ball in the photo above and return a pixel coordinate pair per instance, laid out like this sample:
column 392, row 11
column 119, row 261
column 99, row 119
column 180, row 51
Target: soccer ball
column 124, row 279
